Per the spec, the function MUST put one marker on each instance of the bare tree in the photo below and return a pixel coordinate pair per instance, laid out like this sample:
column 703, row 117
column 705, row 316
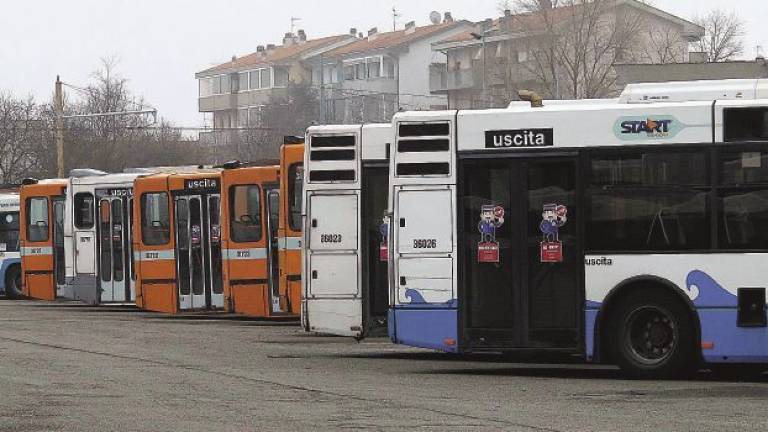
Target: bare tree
column 22, row 139
column 723, row 35
column 573, row 44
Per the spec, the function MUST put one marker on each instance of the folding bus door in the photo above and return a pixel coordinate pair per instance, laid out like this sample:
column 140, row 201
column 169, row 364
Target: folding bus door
column 527, row 294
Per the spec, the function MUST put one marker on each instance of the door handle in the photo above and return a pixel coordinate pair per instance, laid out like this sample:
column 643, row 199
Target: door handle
column 402, row 280
column 314, row 223
column 402, row 222
column 314, row 274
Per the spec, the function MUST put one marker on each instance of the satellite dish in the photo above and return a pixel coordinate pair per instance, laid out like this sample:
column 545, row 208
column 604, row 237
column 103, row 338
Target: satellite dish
column 435, row 17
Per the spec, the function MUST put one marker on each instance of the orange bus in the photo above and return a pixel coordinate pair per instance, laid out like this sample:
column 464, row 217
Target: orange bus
column 289, row 242
column 250, row 240
column 42, row 237
column 177, row 242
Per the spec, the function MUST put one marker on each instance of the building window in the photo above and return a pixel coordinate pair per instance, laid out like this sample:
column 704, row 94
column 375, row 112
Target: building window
column 374, row 69
column 242, row 117
column 266, row 78
column 349, row 72
column 206, row 87
column 281, row 77
column 360, row 72
column 242, row 79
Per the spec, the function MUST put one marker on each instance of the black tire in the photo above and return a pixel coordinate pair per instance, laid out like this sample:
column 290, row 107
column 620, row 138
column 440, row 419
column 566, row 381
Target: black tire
column 653, row 335
column 13, row 282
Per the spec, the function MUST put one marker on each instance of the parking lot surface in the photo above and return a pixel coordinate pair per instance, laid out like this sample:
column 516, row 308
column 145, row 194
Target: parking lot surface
column 67, row 367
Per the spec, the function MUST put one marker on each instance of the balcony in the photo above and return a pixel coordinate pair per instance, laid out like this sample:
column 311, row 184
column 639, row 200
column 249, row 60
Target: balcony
column 443, row 81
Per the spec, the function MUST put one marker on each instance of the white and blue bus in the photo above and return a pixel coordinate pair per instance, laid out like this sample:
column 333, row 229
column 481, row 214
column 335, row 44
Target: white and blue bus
column 632, row 231
column 10, row 258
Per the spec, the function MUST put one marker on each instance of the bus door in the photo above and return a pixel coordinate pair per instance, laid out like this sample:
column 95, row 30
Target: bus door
column 39, row 263
column 273, row 263
column 198, row 251
column 292, row 195
column 375, row 250
column 114, row 249
column 334, row 301
column 58, row 241
column 522, row 253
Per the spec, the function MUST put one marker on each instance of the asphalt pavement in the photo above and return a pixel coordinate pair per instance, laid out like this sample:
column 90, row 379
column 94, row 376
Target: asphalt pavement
column 68, row 367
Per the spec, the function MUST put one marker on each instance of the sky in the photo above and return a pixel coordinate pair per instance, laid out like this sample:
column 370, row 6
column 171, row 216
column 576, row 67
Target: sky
column 160, row 44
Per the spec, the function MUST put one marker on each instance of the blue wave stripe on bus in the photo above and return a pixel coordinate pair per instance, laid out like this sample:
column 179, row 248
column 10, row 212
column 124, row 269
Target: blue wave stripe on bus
column 711, row 293
column 417, row 301
column 7, row 263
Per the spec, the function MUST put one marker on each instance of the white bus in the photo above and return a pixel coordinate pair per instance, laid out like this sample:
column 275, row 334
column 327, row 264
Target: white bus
column 632, row 231
column 97, row 240
column 345, row 288
column 10, row 258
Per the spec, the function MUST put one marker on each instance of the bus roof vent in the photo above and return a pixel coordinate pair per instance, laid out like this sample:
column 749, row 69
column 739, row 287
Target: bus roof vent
column 423, row 149
column 86, row 172
column 332, row 158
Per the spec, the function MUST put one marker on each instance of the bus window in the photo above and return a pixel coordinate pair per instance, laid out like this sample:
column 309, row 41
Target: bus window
column 245, row 213
column 746, row 124
column 155, row 220
column 9, row 232
column 295, row 194
column 37, row 219
column 743, row 218
column 83, row 204
column 649, row 201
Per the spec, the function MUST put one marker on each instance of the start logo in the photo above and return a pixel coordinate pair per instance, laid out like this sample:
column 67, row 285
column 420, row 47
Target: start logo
column 647, row 127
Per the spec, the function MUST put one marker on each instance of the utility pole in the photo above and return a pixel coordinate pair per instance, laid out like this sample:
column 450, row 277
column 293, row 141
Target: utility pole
column 58, row 107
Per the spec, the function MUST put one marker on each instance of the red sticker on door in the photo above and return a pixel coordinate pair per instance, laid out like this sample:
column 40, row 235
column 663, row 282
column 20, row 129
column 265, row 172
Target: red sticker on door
column 553, row 217
column 491, row 218
column 384, row 242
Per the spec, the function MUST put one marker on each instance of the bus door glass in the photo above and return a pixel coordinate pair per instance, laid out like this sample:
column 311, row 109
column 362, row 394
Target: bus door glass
column 273, row 221
column 522, row 253
column 198, row 252
column 58, row 241
column 113, row 249
column 375, row 231
column 131, row 274
column 37, row 249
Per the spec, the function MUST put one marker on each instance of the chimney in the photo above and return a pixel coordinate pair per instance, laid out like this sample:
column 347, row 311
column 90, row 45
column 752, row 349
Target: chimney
column 373, row 33
column 289, row 39
column 448, row 18
column 302, row 36
column 410, row 27
column 353, row 31
column 507, row 13
column 360, row 35
column 271, row 47
column 234, row 58
column 260, row 50
column 487, row 24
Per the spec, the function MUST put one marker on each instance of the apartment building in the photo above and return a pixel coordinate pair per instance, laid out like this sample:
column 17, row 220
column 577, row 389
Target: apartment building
column 235, row 92
column 371, row 78
column 487, row 65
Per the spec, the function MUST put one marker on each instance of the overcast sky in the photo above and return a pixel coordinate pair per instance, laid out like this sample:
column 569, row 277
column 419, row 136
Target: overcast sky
column 160, row 44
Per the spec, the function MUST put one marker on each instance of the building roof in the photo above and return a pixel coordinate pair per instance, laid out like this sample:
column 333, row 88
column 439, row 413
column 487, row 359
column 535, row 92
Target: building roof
column 392, row 39
column 277, row 55
column 519, row 22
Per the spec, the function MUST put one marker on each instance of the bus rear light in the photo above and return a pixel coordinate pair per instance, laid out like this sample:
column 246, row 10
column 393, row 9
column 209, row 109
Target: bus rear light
column 449, row 342
column 707, row 345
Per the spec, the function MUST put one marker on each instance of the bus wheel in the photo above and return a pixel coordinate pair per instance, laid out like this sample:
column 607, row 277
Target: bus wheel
column 653, row 335
column 13, row 282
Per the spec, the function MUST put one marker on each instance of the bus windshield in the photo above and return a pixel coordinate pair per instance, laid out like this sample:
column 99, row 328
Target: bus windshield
column 9, row 231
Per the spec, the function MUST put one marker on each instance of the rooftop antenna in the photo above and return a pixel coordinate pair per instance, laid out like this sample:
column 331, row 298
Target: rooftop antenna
column 294, row 20
column 395, row 16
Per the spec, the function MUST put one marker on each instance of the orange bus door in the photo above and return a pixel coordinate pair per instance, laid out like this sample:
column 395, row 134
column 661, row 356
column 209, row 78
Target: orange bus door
column 198, row 251
column 37, row 248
